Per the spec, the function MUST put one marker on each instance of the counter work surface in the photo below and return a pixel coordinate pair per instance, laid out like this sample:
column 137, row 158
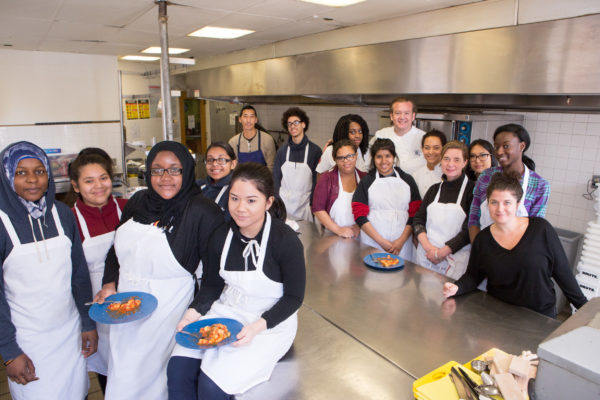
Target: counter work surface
column 398, row 322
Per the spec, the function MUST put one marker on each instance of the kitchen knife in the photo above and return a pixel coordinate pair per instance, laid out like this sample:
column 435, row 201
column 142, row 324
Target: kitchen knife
column 460, row 387
column 467, row 394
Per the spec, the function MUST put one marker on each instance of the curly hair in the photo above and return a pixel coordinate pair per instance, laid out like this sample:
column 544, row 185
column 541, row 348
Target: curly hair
column 294, row 112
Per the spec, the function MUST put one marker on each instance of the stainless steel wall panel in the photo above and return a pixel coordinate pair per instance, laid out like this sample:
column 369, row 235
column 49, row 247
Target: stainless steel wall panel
column 549, row 58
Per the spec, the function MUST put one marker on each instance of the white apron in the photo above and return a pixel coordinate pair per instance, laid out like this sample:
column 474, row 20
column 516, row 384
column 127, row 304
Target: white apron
column 485, row 219
column 296, row 185
column 444, row 221
column 247, row 295
column 95, row 249
column 218, row 198
column 140, row 350
column 388, row 211
column 37, row 285
column 341, row 209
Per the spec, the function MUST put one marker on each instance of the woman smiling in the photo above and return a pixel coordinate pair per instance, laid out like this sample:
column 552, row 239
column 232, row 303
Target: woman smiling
column 159, row 243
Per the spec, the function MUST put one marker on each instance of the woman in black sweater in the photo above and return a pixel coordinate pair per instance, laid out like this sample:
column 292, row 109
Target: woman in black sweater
column 518, row 255
column 254, row 274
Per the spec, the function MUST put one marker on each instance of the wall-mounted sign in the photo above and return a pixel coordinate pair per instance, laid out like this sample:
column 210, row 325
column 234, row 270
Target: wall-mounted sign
column 144, row 108
column 131, row 108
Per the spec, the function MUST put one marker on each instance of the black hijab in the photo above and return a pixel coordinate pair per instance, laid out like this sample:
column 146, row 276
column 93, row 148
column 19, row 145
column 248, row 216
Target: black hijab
column 151, row 207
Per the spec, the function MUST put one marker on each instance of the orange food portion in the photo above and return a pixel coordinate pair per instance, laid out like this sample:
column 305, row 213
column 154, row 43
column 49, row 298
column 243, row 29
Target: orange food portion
column 213, row 334
column 132, row 305
column 387, row 261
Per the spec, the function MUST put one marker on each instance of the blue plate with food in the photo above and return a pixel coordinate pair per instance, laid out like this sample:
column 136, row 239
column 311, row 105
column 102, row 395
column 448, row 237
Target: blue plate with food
column 124, row 307
column 209, row 333
column 384, row 261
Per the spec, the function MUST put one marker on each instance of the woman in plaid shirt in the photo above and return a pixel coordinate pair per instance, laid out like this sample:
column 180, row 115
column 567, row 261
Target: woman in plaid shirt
column 510, row 143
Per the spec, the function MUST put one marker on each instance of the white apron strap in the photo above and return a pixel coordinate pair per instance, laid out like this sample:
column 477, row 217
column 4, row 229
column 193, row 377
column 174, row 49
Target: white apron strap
column 59, row 227
column 287, row 154
column 202, row 187
column 263, row 245
column 221, row 193
column 437, row 195
column 10, row 229
column 525, row 180
column 306, row 154
column 83, row 224
column 462, row 190
column 118, row 208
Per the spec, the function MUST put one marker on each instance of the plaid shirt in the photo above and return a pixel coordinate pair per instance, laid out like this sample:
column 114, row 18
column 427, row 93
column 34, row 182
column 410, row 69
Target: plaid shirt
column 536, row 198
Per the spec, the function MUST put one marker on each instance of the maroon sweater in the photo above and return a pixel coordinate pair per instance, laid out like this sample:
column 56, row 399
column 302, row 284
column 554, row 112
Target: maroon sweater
column 99, row 220
column 327, row 189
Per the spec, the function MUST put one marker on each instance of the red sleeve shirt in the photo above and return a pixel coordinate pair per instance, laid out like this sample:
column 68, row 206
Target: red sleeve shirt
column 99, row 220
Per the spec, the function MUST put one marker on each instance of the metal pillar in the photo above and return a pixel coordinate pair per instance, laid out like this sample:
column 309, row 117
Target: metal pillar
column 124, row 163
column 165, row 82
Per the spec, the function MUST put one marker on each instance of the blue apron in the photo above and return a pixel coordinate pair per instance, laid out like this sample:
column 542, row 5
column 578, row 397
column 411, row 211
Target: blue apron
column 253, row 156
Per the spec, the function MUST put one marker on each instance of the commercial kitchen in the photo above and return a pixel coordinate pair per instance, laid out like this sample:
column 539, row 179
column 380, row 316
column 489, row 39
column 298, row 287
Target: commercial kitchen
column 468, row 65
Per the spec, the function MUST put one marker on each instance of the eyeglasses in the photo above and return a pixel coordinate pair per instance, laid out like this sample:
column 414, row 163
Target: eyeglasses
column 293, row 123
column 482, row 156
column 173, row 171
column 354, row 131
column 220, row 161
column 348, row 157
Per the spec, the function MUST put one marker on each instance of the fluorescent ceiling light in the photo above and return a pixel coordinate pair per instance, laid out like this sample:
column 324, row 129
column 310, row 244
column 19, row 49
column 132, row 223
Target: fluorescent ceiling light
column 334, row 3
column 140, row 58
column 184, row 61
column 220, row 33
column 172, row 50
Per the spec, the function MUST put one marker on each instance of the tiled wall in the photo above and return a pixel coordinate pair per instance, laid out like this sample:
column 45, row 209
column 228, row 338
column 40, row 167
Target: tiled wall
column 565, row 148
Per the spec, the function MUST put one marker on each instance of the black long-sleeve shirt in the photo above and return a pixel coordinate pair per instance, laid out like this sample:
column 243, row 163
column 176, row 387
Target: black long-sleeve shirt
column 284, row 262
column 188, row 240
column 449, row 194
column 297, row 155
column 521, row 276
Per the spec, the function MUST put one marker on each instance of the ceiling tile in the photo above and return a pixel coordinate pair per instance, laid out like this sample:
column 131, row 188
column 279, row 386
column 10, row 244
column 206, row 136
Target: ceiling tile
column 305, row 27
column 82, row 32
column 228, row 5
column 290, row 9
column 30, row 8
column 14, row 28
column 182, row 20
column 105, row 12
column 254, row 22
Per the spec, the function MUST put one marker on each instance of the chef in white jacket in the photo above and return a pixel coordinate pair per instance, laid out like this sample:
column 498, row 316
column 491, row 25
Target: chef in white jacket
column 406, row 137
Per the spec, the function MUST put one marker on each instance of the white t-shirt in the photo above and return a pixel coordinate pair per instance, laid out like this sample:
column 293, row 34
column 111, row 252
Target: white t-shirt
column 426, row 177
column 327, row 162
column 408, row 147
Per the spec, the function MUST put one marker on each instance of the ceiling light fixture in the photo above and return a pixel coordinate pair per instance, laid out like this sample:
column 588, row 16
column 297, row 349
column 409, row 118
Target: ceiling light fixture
column 140, row 58
column 334, row 3
column 216, row 32
column 172, row 50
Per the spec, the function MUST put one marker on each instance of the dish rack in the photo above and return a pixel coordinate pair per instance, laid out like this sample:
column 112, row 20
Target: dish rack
column 588, row 277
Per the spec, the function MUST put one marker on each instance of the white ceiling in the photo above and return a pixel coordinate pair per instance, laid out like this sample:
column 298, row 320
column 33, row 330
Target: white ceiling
column 121, row 27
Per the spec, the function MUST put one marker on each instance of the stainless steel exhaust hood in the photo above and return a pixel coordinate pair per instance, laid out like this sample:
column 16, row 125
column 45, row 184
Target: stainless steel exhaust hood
column 547, row 65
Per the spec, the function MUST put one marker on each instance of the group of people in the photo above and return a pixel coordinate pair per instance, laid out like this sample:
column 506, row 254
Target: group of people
column 54, row 260
column 470, row 213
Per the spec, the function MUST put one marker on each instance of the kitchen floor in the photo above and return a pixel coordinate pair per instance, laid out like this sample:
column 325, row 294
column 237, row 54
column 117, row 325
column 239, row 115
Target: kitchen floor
column 94, row 394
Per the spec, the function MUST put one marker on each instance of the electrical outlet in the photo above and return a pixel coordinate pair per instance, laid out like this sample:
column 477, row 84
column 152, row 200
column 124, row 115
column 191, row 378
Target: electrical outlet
column 595, row 181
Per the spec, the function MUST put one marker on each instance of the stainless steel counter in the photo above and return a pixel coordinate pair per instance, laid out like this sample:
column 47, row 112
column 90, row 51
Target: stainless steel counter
column 365, row 331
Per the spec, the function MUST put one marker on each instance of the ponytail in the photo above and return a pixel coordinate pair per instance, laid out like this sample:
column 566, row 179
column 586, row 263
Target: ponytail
column 277, row 209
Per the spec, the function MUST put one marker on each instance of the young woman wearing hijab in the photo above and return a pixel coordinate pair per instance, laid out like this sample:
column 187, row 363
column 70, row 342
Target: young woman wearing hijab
column 255, row 274
column 354, row 128
column 97, row 213
column 45, row 329
column 220, row 162
column 510, row 143
column 162, row 237
column 440, row 225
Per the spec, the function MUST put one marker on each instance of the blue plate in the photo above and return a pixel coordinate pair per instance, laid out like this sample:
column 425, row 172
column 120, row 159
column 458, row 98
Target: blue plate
column 100, row 313
column 371, row 261
column 191, row 342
